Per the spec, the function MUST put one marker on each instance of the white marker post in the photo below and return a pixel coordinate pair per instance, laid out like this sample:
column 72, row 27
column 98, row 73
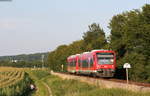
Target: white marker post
column 127, row 65
column 42, row 57
column 62, row 67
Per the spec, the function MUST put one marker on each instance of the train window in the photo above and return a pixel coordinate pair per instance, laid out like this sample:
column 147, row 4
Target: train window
column 105, row 58
column 74, row 63
column 79, row 62
column 91, row 62
column 71, row 63
column 104, row 53
column 85, row 63
column 68, row 63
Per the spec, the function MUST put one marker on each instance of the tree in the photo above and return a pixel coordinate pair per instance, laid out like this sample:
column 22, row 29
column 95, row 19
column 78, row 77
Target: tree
column 116, row 26
column 59, row 56
column 94, row 38
column 130, row 38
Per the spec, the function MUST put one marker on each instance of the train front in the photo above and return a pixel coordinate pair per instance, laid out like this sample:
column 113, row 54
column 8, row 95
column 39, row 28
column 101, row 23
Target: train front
column 105, row 63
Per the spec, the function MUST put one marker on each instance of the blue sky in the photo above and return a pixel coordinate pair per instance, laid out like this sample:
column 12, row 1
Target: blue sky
column 30, row 26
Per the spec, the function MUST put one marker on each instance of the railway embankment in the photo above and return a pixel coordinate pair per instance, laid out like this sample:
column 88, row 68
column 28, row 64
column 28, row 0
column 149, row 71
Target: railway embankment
column 104, row 83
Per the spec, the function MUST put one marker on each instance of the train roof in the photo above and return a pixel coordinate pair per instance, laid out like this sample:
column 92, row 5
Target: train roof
column 77, row 54
column 85, row 52
column 100, row 50
column 73, row 56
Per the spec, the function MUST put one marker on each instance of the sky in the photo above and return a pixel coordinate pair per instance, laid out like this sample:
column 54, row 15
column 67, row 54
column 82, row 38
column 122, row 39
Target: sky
column 33, row 26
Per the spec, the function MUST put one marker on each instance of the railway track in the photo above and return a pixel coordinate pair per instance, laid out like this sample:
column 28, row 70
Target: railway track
column 130, row 82
column 117, row 80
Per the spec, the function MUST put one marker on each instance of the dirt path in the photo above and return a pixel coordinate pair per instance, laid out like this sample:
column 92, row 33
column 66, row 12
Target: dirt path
column 48, row 88
column 42, row 87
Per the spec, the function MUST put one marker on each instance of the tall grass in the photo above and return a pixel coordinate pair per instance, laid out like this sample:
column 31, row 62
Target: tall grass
column 61, row 87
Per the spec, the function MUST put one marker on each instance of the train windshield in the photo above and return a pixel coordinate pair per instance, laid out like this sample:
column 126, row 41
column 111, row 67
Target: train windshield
column 105, row 58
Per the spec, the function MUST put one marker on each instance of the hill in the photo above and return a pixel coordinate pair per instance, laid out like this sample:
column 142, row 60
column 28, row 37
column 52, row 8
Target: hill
column 25, row 57
column 25, row 60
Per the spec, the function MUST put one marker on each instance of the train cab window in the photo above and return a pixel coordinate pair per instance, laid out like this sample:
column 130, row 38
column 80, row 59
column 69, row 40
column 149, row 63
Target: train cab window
column 105, row 58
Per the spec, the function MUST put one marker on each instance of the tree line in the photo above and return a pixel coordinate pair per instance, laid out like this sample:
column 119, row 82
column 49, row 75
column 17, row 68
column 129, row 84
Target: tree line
column 24, row 60
column 129, row 38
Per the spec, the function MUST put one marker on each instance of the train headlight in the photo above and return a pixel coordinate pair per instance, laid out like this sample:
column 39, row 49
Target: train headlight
column 112, row 60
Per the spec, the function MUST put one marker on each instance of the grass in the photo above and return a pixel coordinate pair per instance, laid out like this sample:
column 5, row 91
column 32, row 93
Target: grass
column 60, row 87
column 38, row 76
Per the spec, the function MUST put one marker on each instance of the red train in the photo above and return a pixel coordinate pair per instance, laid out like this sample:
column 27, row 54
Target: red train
column 100, row 63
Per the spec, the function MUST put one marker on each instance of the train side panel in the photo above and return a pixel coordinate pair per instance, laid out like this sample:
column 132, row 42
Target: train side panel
column 101, row 63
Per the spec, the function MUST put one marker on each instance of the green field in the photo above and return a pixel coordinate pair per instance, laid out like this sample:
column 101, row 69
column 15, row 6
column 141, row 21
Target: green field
column 49, row 85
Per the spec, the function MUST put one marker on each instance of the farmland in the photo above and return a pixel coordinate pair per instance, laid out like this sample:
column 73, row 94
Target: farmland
column 14, row 82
